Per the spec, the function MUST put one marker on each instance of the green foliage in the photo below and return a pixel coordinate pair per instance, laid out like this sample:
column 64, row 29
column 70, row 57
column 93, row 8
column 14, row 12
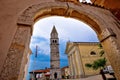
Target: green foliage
column 88, row 65
column 100, row 46
column 100, row 63
column 101, row 53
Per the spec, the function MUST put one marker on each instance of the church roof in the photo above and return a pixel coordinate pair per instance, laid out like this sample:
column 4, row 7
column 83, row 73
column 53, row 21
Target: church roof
column 70, row 45
column 41, row 70
column 54, row 30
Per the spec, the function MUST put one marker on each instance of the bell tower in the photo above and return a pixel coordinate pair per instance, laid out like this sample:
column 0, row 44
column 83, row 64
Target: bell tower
column 54, row 55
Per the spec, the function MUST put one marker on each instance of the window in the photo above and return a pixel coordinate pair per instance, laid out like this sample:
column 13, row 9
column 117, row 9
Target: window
column 54, row 41
column 92, row 53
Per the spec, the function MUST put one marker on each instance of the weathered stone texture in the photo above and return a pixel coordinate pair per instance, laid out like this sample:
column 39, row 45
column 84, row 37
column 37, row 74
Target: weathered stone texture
column 113, row 50
column 16, row 54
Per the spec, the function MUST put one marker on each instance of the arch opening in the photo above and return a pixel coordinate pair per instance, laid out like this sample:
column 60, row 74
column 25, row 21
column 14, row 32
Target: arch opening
column 63, row 31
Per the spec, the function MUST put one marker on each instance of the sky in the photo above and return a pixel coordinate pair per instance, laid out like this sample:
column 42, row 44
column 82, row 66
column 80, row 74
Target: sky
column 68, row 29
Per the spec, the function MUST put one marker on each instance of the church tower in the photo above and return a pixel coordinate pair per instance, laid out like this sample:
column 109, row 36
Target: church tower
column 54, row 55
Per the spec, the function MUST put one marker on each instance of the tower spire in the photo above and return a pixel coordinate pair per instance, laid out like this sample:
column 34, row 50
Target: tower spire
column 54, row 33
column 54, row 30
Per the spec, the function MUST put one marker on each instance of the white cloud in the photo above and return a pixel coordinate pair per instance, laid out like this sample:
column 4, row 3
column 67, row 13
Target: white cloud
column 43, row 46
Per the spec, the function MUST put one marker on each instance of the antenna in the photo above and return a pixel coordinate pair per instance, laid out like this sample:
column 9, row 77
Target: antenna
column 34, row 62
column 36, row 51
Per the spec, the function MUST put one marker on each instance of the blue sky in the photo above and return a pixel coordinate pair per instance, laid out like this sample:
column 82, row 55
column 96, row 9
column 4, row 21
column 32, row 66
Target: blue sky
column 68, row 30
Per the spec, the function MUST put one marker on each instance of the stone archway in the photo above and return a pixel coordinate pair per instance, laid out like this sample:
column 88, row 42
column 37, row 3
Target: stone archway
column 101, row 20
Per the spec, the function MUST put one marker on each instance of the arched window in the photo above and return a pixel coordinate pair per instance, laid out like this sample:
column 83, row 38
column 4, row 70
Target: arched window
column 92, row 53
column 55, row 41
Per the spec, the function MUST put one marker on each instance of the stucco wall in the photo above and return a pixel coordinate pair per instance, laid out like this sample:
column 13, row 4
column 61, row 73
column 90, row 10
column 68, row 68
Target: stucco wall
column 79, row 54
column 86, row 57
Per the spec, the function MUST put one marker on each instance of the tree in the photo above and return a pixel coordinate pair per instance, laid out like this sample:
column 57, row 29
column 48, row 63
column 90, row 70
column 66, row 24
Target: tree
column 99, row 63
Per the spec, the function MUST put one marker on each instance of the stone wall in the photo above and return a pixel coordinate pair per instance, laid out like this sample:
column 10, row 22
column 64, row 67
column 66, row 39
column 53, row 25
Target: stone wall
column 13, row 67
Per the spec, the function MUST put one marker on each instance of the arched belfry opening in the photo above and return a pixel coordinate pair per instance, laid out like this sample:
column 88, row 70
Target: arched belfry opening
column 99, row 19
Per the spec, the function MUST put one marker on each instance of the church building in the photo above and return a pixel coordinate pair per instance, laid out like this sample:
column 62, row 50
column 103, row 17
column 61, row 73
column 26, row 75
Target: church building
column 80, row 53
column 54, row 55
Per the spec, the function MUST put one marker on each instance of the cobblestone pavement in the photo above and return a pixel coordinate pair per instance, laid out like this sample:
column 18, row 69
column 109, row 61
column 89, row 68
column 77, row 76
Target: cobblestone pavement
column 97, row 77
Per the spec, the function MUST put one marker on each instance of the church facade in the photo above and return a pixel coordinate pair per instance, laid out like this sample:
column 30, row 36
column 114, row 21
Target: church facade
column 54, row 55
column 81, row 53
